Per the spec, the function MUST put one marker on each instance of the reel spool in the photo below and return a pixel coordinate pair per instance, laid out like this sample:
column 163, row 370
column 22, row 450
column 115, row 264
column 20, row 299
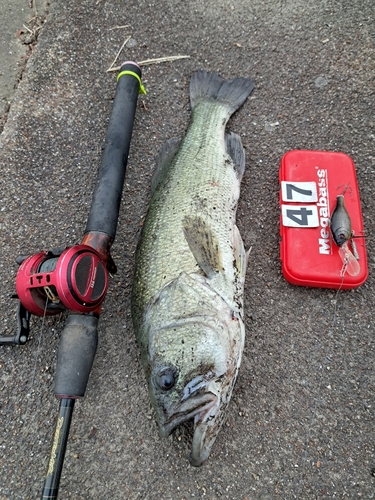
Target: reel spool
column 76, row 279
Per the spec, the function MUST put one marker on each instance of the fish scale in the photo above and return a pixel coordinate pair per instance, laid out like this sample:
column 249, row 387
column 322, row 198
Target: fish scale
column 190, row 268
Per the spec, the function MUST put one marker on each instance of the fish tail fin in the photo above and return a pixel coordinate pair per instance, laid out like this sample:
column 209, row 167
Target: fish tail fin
column 232, row 93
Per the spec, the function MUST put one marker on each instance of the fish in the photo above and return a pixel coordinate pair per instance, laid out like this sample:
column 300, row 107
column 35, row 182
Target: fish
column 342, row 233
column 187, row 295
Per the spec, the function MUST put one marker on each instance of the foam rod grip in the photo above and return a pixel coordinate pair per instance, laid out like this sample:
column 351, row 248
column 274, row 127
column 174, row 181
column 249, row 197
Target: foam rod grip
column 77, row 349
column 106, row 200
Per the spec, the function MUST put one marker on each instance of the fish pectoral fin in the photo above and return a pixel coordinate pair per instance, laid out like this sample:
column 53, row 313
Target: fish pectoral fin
column 236, row 151
column 164, row 161
column 203, row 244
column 240, row 254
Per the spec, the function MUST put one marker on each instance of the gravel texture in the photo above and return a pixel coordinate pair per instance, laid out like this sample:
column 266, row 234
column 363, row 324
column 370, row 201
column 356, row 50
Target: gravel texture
column 301, row 420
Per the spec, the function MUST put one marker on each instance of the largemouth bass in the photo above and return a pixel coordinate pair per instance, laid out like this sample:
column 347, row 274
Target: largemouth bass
column 187, row 301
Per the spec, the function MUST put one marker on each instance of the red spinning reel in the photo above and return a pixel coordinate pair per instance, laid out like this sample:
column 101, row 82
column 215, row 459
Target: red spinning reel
column 75, row 279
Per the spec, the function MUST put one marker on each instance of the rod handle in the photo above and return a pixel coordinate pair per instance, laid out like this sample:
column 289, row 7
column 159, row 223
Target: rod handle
column 75, row 356
column 106, row 200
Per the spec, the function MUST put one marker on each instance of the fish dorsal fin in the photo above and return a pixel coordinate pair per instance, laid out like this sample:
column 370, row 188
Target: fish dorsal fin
column 236, row 151
column 164, row 160
column 203, row 245
column 240, row 255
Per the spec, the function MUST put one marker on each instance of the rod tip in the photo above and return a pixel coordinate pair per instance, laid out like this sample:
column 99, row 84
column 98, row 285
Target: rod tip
column 131, row 66
column 131, row 62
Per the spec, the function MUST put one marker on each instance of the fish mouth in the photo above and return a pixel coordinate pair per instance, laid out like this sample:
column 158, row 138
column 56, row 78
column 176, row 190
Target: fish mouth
column 195, row 407
column 206, row 428
column 205, row 408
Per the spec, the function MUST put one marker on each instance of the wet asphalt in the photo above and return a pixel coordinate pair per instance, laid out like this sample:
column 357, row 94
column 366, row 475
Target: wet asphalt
column 301, row 421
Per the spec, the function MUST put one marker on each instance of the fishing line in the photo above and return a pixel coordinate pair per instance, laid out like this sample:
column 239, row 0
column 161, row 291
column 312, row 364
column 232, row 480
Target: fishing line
column 24, row 419
column 335, row 300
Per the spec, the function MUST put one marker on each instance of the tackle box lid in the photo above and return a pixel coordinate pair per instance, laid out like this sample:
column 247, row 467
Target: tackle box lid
column 310, row 182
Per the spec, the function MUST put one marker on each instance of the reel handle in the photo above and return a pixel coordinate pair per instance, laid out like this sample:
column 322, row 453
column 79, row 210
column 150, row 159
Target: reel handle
column 23, row 328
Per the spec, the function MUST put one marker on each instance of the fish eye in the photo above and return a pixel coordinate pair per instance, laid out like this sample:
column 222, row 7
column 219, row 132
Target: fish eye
column 166, row 379
column 341, row 237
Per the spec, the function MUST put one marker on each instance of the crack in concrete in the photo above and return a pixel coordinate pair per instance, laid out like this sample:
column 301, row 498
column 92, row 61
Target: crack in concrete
column 17, row 41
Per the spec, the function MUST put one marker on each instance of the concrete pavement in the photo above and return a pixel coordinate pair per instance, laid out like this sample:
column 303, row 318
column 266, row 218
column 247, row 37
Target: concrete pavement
column 21, row 24
column 301, row 421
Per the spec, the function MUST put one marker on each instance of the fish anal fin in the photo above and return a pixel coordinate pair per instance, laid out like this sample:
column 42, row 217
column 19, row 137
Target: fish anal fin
column 203, row 245
column 240, row 255
column 248, row 256
column 164, row 161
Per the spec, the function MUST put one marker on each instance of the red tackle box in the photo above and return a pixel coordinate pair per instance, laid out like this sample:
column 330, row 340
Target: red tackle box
column 310, row 181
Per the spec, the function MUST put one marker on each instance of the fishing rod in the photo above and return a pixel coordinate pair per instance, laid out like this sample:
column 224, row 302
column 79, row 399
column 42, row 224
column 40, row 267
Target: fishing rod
column 76, row 278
